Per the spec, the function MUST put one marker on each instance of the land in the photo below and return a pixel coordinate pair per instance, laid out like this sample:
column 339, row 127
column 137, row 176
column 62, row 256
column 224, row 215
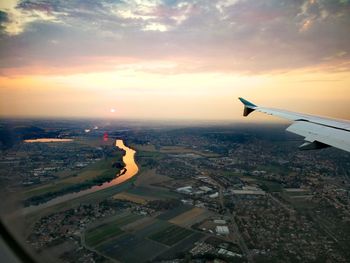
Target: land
column 223, row 192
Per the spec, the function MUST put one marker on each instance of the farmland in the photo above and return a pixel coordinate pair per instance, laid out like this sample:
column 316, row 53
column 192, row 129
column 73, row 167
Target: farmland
column 171, row 235
column 133, row 198
column 133, row 238
column 190, row 217
column 128, row 248
column 97, row 235
column 174, row 212
column 159, row 193
column 105, row 231
column 185, row 245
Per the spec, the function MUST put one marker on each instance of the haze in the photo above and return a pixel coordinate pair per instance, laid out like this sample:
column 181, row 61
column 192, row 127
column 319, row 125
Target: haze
column 173, row 59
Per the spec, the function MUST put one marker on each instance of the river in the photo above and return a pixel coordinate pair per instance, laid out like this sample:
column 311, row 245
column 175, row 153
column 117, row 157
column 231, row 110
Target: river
column 131, row 170
column 46, row 140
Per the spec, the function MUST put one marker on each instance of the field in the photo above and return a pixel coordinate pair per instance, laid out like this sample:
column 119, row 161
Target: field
column 174, row 212
column 128, row 248
column 139, row 224
column 133, row 198
column 132, row 238
column 185, row 245
column 134, row 245
column 96, row 236
column 108, row 230
column 125, row 219
column 156, row 193
column 150, row 177
column 150, row 229
column 171, row 235
column 190, row 217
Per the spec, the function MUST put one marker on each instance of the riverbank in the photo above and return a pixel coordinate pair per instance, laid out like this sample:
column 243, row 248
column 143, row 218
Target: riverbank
column 107, row 176
column 50, row 198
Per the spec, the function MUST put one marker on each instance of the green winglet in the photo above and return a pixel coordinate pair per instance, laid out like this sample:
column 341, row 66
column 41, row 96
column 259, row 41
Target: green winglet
column 247, row 103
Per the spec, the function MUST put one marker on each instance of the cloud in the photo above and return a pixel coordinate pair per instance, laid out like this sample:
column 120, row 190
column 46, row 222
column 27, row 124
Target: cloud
column 19, row 15
column 235, row 36
column 3, row 20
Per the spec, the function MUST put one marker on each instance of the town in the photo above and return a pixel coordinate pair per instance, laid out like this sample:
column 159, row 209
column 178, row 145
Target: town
column 201, row 193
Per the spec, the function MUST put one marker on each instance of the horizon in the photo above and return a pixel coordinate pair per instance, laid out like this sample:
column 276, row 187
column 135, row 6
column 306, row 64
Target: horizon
column 248, row 121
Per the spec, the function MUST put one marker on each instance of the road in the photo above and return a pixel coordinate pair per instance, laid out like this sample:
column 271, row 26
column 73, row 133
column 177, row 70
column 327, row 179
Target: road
column 288, row 209
column 243, row 246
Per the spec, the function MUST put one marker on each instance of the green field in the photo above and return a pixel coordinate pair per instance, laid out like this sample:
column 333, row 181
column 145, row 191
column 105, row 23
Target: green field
column 126, row 219
column 181, row 247
column 129, row 248
column 142, row 245
column 150, row 229
column 171, row 235
column 169, row 214
column 103, row 232
column 159, row 193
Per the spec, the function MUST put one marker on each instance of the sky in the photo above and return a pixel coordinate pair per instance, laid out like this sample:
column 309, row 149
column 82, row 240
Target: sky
column 172, row 59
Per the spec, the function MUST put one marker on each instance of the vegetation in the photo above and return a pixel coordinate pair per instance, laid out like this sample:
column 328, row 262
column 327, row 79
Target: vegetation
column 171, row 235
column 107, row 176
column 164, row 204
column 101, row 233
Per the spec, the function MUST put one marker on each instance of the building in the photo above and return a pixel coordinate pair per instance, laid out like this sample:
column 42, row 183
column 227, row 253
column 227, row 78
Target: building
column 215, row 195
column 220, row 221
column 185, row 190
column 222, row 230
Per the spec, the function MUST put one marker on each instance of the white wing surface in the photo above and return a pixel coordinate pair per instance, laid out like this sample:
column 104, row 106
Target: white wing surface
column 318, row 132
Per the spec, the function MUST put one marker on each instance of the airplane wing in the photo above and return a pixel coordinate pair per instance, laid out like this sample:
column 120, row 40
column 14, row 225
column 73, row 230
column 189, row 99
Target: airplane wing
column 318, row 132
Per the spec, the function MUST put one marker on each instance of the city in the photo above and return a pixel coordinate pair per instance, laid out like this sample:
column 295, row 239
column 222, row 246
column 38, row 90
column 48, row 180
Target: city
column 202, row 193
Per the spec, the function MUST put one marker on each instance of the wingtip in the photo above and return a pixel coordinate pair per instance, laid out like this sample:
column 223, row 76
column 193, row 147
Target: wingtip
column 248, row 107
column 247, row 103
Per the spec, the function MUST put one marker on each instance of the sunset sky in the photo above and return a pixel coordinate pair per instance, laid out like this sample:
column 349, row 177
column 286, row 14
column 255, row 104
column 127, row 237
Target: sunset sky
column 173, row 59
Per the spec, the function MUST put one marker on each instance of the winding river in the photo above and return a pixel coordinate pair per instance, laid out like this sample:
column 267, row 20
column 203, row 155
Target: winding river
column 131, row 169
